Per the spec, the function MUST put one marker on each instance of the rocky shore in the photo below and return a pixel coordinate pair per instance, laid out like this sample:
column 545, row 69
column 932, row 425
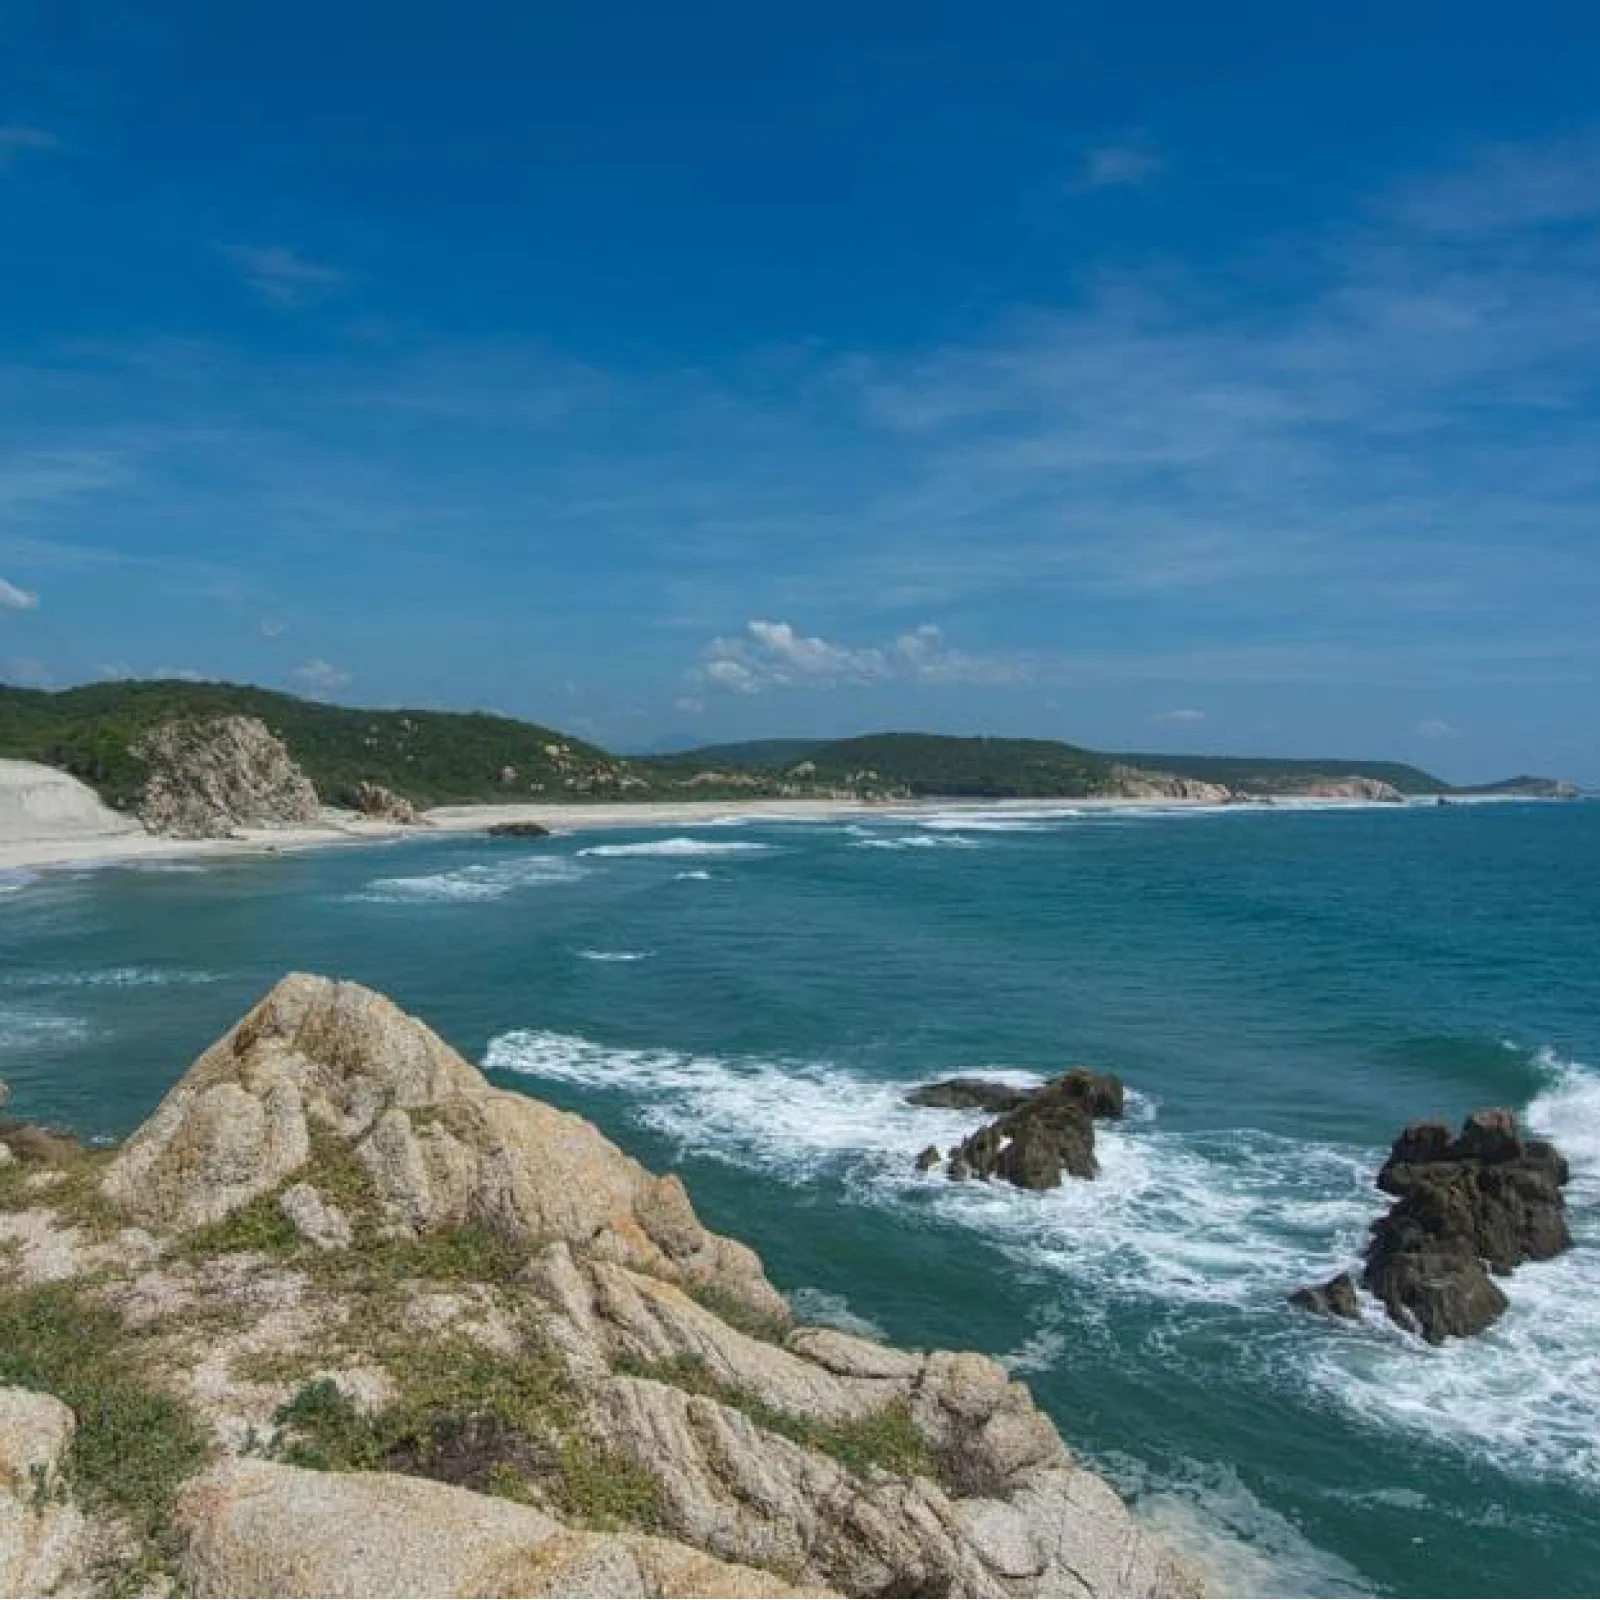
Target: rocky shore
column 342, row 1318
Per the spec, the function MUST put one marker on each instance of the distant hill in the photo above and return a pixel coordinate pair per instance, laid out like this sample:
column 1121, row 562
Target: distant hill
column 461, row 757
column 1280, row 775
column 433, row 757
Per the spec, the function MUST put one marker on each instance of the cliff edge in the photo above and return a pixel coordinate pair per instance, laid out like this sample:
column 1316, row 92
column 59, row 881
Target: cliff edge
column 343, row 1318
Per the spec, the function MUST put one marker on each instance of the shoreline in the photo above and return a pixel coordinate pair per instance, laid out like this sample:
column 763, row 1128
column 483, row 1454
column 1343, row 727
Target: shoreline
column 130, row 847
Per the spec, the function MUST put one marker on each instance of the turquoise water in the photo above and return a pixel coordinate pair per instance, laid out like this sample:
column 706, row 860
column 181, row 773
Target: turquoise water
column 1282, row 990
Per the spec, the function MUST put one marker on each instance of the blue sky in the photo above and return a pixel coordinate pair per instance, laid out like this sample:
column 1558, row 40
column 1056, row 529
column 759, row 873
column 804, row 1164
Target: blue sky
column 1152, row 375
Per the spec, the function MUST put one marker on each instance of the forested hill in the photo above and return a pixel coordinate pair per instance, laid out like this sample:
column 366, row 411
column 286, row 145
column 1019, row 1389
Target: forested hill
column 433, row 757
column 458, row 757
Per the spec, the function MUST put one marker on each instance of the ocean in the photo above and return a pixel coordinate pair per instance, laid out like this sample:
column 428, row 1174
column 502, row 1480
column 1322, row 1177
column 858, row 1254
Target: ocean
column 1282, row 990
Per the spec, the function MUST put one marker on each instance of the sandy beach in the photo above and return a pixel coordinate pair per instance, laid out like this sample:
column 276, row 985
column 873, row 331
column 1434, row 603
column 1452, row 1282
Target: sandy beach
column 36, row 841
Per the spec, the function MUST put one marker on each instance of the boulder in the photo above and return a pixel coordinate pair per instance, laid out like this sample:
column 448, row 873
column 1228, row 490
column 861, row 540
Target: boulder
column 969, row 1094
column 208, row 776
column 1050, row 1133
column 519, row 830
column 316, row 1219
column 440, row 1146
column 384, row 805
column 256, row 1527
column 42, row 1535
column 1335, row 1298
column 928, row 1158
column 1484, row 1200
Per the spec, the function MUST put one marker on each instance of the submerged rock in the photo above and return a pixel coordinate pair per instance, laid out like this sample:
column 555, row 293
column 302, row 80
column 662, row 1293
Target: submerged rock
column 969, row 1094
column 1484, row 1201
column 1335, row 1298
column 1050, row 1133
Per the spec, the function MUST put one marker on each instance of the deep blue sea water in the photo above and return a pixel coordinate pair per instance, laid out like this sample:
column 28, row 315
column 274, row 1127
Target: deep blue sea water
column 1282, row 991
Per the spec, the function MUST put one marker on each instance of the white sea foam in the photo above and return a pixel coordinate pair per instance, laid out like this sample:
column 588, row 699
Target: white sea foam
column 694, row 875
column 868, row 839
column 822, row 1308
column 1203, row 1219
column 615, row 955
column 108, row 978
column 676, row 847
column 474, row 883
column 25, row 1028
column 1206, row 1510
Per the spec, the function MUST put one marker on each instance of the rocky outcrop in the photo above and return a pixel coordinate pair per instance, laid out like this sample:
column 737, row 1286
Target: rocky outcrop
column 1482, row 1202
column 384, row 805
column 533, row 1368
column 519, row 830
column 1352, row 788
column 1048, row 1133
column 1140, row 783
column 209, row 776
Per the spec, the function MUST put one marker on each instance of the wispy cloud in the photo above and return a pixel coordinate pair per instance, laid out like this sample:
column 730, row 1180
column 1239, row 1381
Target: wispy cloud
column 1128, row 163
column 28, row 672
column 1184, row 716
column 14, row 599
column 18, row 139
column 775, row 655
column 282, row 277
column 1436, row 728
column 320, row 678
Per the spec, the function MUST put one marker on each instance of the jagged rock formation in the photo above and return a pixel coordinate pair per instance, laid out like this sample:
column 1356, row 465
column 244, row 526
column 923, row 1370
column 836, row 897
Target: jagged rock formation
column 384, row 805
column 1139, row 783
column 441, row 1339
column 1335, row 1298
column 1040, row 1134
column 211, row 775
column 1484, row 1201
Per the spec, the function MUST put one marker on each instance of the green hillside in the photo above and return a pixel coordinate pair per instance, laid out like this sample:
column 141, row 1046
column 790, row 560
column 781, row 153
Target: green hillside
column 1283, row 775
column 433, row 757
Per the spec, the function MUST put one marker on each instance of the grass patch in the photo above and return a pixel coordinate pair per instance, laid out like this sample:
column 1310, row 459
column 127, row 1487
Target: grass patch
column 259, row 1224
column 75, row 1172
column 738, row 1314
column 887, row 1438
column 604, row 1490
column 475, row 1252
column 134, row 1445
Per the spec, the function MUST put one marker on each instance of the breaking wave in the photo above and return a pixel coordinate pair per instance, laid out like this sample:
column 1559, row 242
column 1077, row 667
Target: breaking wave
column 676, row 847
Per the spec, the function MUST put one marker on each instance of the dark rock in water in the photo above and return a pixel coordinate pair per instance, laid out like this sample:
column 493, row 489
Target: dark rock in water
column 929, row 1159
column 1050, row 1133
column 1335, row 1298
column 1483, row 1201
column 958, row 1171
column 519, row 830
column 969, row 1094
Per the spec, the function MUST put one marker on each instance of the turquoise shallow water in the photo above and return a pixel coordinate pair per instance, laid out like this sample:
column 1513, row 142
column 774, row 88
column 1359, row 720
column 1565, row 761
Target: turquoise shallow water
column 1281, row 990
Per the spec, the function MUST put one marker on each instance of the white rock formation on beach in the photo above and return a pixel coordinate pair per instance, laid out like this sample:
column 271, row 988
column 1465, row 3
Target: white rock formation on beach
column 209, row 776
column 534, row 1369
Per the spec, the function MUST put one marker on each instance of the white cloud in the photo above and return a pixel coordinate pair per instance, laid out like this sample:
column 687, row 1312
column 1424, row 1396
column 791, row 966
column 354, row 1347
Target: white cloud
column 17, row 138
column 775, row 655
column 689, row 705
column 14, row 599
column 271, row 628
column 1183, row 716
column 1436, row 728
column 1121, row 164
column 320, row 678
column 283, row 278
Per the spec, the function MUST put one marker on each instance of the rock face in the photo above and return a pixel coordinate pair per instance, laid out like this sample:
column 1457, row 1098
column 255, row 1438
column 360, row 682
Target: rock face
column 1049, row 1133
column 1356, row 788
column 211, row 775
column 728, row 1451
column 1483, row 1201
column 384, row 805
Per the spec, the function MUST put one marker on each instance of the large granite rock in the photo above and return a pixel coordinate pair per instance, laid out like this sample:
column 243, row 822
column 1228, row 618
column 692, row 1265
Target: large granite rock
column 384, row 805
column 969, row 1094
column 1483, row 1201
column 259, row 1528
column 42, row 1535
column 441, row 1146
column 1049, row 1134
column 208, row 776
